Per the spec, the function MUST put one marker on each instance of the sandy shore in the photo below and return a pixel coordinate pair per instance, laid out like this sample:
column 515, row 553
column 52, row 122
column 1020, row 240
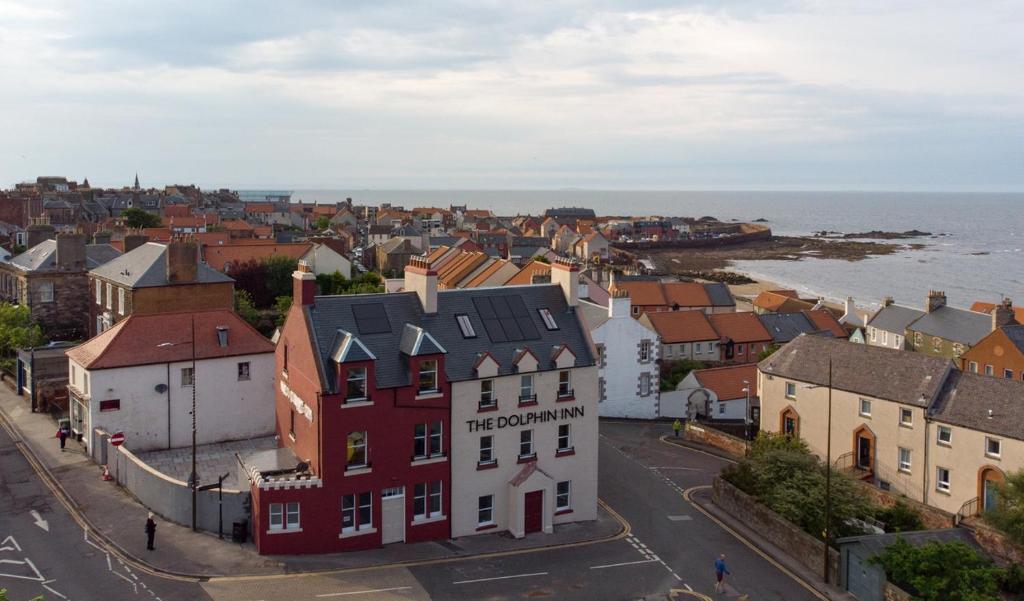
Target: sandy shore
column 745, row 293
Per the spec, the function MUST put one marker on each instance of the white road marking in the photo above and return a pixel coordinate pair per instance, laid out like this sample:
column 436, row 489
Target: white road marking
column 625, row 563
column 12, row 541
column 376, row 590
column 39, row 521
column 501, row 578
column 54, row 592
column 680, row 518
column 676, row 467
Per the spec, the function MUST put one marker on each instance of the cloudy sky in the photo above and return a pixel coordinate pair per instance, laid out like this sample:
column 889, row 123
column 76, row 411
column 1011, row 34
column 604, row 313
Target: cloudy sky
column 516, row 95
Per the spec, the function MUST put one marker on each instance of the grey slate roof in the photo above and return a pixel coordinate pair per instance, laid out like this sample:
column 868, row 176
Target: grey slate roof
column 592, row 314
column 528, row 252
column 719, row 294
column 874, row 371
column 1016, row 335
column 43, row 256
column 147, row 266
column 407, row 230
column 786, row 326
column 895, row 318
column 330, row 313
column 958, row 325
column 967, row 397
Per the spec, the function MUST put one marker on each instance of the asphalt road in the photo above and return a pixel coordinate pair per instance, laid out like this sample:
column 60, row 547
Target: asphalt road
column 43, row 550
column 671, row 545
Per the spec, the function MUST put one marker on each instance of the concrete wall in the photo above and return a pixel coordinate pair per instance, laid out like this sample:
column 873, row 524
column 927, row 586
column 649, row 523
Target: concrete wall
column 801, row 546
column 165, row 496
column 469, row 483
column 227, row 409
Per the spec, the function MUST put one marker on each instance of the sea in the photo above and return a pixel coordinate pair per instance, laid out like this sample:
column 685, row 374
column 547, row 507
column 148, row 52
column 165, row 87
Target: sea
column 975, row 252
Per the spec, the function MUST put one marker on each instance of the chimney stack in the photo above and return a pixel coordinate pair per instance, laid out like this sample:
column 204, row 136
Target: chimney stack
column 936, row 300
column 421, row 279
column 133, row 241
column 1002, row 315
column 887, row 301
column 39, row 232
column 566, row 273
column 71, row 252
column 101, row 237
column 182, row 261
column 619, row 304
column 303, row 284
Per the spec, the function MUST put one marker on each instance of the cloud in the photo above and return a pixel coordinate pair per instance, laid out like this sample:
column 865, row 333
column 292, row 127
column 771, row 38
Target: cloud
column 479, row 94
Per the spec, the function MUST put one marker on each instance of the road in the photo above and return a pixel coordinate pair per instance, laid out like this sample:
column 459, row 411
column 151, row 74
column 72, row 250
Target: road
column 671, row 545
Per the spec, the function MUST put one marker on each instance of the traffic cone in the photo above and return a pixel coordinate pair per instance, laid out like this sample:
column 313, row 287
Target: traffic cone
column 106, row 474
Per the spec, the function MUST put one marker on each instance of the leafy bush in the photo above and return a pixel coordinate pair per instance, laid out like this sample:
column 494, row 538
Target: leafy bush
column 899, row 518
column 673, row 372
column 950, row 571
column 1008, row 514
column 1013, row 580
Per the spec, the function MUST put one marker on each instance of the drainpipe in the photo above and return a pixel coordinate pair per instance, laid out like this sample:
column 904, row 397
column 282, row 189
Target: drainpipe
column 168, row 405
column 927, row 465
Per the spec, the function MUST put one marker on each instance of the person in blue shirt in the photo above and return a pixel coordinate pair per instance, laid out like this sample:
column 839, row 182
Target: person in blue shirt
column 720, row 572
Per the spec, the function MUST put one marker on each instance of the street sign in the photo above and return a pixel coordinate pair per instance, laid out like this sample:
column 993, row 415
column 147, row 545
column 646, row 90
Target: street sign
column 117, row 439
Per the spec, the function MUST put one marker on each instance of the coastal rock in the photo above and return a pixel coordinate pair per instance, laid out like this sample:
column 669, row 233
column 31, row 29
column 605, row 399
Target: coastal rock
column 873, row 235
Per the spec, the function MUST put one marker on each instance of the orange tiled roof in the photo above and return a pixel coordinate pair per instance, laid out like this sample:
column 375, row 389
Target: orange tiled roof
column 487, row 272
column 740, row 327
column 141, row 340
column 177, row 211
column 727, row 382
column 780, row 301
column 682, row 326
column 238, row 254
column 983, row 307
column 686, row 294
column 455, row 270
column 825, row 321
column 525, row 275
column 259, row 207
column 643, row 292
column 236, row 225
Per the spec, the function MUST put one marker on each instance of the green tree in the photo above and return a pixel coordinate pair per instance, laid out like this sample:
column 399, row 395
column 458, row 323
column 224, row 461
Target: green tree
column 245, row 307
column 899, row 518
column 542, row 259
column 937, row 571
column 138, row 218
column 1008, row 514
column 279, row 275
column 282, row 305
column 673, row 372
column 767, row 352
column 17, row 331
column 322, row 223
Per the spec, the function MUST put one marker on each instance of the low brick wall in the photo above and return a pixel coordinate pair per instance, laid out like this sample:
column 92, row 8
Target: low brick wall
column 891, row 592
column 932, row 517
column 994, row 542
column 801, row 546
column 715, row 438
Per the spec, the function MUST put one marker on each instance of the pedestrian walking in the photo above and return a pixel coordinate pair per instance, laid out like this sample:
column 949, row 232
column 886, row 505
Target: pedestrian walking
column 150, row 531
column 62, row 433
column 720, row 571
column 677, row 426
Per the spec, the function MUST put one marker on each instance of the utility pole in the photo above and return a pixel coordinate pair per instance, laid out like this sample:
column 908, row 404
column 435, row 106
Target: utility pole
column 828, row 472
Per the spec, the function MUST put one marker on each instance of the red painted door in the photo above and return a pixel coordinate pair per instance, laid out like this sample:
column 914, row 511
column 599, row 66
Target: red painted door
column 534, row 512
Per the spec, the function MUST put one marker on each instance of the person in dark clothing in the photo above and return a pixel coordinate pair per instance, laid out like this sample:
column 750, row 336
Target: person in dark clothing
column 150, row 531
column 63, row 434
column 720, row 572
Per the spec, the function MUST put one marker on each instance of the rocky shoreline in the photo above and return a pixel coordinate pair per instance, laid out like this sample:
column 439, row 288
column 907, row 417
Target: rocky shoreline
column 873, row 235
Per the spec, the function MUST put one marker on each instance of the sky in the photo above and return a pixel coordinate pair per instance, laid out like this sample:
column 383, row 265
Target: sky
column 481, row 94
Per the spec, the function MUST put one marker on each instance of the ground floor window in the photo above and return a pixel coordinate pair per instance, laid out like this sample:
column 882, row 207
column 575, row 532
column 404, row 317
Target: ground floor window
column 942, row 479
column 284, row 516
column 563, row 495
column 356, row 512
column 485, row 510
column 426, row 500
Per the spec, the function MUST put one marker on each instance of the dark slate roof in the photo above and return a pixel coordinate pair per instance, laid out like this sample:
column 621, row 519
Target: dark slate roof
column 416, row 341
column 967, row 398
column 1016, row 335
column 895, row 318
column 786, row 326
column 528, row 252
column 147, row 266
column 43, row 256
column 331, row 313
column 879, row 372
column 348, row 348
column 407, row 230
column 958, row 325
column 719, row 295
column 437, row 241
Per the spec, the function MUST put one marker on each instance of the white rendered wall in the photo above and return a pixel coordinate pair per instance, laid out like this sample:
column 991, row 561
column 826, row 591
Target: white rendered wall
column 621, row 368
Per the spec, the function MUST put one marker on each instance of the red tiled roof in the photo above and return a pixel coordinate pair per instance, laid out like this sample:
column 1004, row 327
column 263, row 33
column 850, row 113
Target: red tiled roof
column 157, row 234
column 686, row 294
column 237, row 225
column 525, row 275
column 643, row 292
column 259, row 207
column 682, row 326
column 780, row 301
column 740, row 327
column 826, row 322
column 727, row 382
column 143, row 340
column 983, row 307
column 176, row 211
column 237, row 254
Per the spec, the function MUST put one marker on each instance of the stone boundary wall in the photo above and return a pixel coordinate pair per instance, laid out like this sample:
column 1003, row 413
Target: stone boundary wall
column 166, row 496
column 801, row 546
column 933, row 518
column 994, row 542
column 703, row 434
column 891, row 592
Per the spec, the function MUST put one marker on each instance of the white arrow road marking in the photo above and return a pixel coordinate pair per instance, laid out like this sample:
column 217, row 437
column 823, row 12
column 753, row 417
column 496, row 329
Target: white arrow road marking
column 40, row 521
column 9, row 539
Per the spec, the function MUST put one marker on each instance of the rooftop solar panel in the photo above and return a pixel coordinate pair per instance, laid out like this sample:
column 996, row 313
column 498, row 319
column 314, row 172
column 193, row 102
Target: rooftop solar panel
column 494, row 330
column 371, row 319
column 518, row 307
column 511, row 328
column 484, row 308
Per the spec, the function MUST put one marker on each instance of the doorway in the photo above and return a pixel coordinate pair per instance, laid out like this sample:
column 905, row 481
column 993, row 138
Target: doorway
column 991, row 479
column 863, row 452
column 392, row 511
column 533, row 514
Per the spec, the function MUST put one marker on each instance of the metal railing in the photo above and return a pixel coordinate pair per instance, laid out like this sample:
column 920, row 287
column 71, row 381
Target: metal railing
column 843, row 462
column 969, row 509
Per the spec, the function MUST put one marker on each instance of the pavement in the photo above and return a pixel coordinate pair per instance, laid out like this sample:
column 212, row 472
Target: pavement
column 96, row 544
column 212, row 460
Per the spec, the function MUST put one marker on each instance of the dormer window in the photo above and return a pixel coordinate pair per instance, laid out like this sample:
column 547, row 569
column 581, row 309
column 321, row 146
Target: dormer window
column 355, row 389
column 465, row 326
column 428, row 376
column 549, row 320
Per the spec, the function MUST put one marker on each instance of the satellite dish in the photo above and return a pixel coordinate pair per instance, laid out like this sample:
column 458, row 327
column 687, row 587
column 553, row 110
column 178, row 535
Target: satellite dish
column 302, row 467
column 161, row 388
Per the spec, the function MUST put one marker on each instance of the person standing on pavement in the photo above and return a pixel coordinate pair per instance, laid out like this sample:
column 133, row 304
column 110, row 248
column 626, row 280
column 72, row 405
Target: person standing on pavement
column 677, row 426
column 720, row 571
column 150, row 531
column 62, row 434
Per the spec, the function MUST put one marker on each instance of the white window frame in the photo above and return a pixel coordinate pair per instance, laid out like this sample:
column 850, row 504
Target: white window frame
column 904, row 465
column 563, row 500
column 988, row 446
column 885, row 338
column 549, row 320
column 909, row 415
column 645, row 351
column 972, row 366
column 741, row 349
column 356, row 501
column 949, row 435
column 430, row 491
column 355, row 375
column 696, row 348
column 46, row 292
column 364, row 445
column 526, row 393
column 942, row 484
column 860, row 407
column 244, row 371
column 435, row 439
column 120, row 300
column 284, row 517
column 465, row 325
column 564, row 440
column 110, row 296
column 645, row 384
column 897, row 343
column 433, row 376
column 990, row 370
column 485, row 510
column 1007, row 374
column 486, row 456
column 526, row 443
column 790, row 386
column 874, row 334
column 99, row 292
column 191, row 379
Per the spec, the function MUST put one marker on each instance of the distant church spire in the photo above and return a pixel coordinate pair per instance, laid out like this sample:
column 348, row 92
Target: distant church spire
column 136, row 180
column 85, row 184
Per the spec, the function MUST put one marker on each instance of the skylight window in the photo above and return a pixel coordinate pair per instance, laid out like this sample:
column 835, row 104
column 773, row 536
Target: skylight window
column 466, row 326
column 549, row 321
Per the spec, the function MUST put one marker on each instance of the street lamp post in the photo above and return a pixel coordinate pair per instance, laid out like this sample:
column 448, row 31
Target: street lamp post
column 828, row 472
column 746, row 410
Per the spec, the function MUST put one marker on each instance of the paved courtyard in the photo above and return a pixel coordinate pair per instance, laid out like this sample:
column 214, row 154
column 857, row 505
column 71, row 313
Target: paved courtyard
column 212, row 460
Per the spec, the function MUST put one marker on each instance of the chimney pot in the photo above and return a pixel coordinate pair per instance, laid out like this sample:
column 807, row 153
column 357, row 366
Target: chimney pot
column 1003, row 315
column 303, row 284
column 936, row 300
